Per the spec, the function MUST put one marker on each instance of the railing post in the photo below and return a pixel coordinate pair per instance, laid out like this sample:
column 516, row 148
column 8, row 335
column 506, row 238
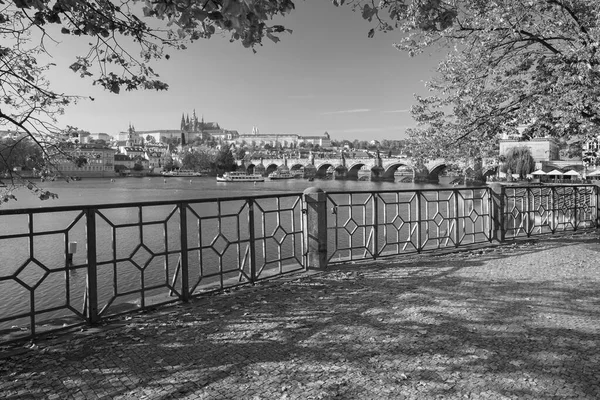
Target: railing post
column 315, row 228
column 456, row 219
column 252, row 240
column 527, row 212
column 185, row 280
column 418, row 230
column 595, row 206
column 491, row 214
column 92, row 267
column 553, row 214
column 575, row 216
column 375, row 226
column 498, row 194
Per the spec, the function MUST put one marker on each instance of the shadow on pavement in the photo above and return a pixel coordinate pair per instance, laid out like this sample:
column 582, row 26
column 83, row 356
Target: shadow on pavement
column 509, row 322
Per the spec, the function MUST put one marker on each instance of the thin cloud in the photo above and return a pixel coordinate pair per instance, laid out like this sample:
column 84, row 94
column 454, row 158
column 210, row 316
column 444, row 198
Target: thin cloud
column 370, row 130
column 395, row 111
column 301, row 96
column 357, row 110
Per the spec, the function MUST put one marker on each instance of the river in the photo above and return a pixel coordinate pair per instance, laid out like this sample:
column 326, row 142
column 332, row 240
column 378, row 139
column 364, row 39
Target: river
column 126, row 190
column 32, row 272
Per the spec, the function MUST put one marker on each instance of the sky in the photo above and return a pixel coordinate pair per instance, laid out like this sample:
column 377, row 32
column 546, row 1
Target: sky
column 325, row 76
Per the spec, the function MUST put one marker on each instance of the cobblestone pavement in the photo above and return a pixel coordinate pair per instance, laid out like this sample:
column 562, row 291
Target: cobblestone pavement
column 513, row 321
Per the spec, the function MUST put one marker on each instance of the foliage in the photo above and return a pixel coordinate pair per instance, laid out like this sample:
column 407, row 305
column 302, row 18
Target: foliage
column 169, row 165
column 225, row 161
column 240, row 153
column 509, row 63
column 197, row 160
column 519, row 161
column 18, row 153
column 113, row 30
column 572, row 148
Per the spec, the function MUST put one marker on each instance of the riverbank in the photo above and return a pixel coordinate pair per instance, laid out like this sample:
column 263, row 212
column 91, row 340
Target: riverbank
column 512, row 321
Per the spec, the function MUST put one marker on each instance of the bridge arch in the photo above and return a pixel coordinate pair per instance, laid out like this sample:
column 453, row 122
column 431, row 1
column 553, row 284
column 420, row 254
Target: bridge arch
column 322, row 168
column 389, row 171
column 271, row 168
column 435, row 170
column 353, row 171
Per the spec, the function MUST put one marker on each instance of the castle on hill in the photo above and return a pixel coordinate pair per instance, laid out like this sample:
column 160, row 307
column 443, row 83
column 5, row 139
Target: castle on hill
column 190, row 129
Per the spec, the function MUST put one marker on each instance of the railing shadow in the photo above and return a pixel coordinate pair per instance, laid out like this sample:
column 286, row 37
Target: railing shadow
column 489, row 323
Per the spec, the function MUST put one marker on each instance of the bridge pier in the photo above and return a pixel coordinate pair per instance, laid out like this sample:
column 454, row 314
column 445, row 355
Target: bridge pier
column 420, row 175
column 340, row 173
column 377, row 174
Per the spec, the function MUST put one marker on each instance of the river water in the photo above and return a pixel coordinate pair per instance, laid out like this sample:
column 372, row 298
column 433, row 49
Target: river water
column 42, row 281
column 126, row 190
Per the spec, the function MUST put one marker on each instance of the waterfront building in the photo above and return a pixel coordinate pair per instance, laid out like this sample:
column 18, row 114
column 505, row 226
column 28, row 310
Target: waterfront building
column 155, row 160
column 99, row 161
column 542, row 149
column 5, row 134
column 128, row 162
column 133, row 152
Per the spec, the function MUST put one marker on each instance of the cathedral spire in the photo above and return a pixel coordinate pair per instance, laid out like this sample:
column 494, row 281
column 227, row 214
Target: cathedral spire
column 182, row 122
column 194, row 121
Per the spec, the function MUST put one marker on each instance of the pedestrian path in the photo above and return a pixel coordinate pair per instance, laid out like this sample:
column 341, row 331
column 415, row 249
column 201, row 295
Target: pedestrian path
column 509, row 322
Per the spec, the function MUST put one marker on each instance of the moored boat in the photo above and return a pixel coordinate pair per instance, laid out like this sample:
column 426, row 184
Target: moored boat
column 281, row 175
column 182, row 173
column 238, row 176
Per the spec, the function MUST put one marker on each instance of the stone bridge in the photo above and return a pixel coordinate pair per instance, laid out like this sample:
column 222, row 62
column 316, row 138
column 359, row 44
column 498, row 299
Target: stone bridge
column 348, row 168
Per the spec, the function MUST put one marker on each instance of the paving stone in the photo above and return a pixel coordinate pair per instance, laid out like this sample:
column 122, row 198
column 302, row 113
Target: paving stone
column 515, row 321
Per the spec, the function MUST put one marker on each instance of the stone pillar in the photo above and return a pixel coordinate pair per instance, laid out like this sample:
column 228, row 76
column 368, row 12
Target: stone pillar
column 315, row 228
column 498, row 227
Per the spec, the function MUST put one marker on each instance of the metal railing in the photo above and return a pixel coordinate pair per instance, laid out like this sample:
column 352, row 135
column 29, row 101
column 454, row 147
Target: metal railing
column 376, row 224
column 139, row 255
column 136, row 256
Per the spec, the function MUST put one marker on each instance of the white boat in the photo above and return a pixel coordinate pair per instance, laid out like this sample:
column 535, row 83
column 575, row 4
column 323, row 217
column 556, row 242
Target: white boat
column 238, row 176
column 281, row 175
column 182, row 172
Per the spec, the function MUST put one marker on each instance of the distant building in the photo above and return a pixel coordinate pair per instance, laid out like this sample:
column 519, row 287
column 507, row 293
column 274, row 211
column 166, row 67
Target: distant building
column 282, row 139
column 191, row 128
column 124, row 161
column 101, row 136
column 4, row 134
column 542, row 149
column 131, row 137
column 133, row 152
column 99, row 161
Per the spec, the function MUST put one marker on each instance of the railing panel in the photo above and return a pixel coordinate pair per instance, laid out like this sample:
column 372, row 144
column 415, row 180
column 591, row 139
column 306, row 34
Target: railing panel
column 546, row 209
column 406, row 221
column 227, row 251
column 37, row 281
column 350, row 226
column 398, row 221
column 133, row 256
column 133, row 248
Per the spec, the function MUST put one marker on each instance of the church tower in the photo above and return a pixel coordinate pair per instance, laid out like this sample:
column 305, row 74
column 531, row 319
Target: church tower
column 133, row 138
column 194, row 122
